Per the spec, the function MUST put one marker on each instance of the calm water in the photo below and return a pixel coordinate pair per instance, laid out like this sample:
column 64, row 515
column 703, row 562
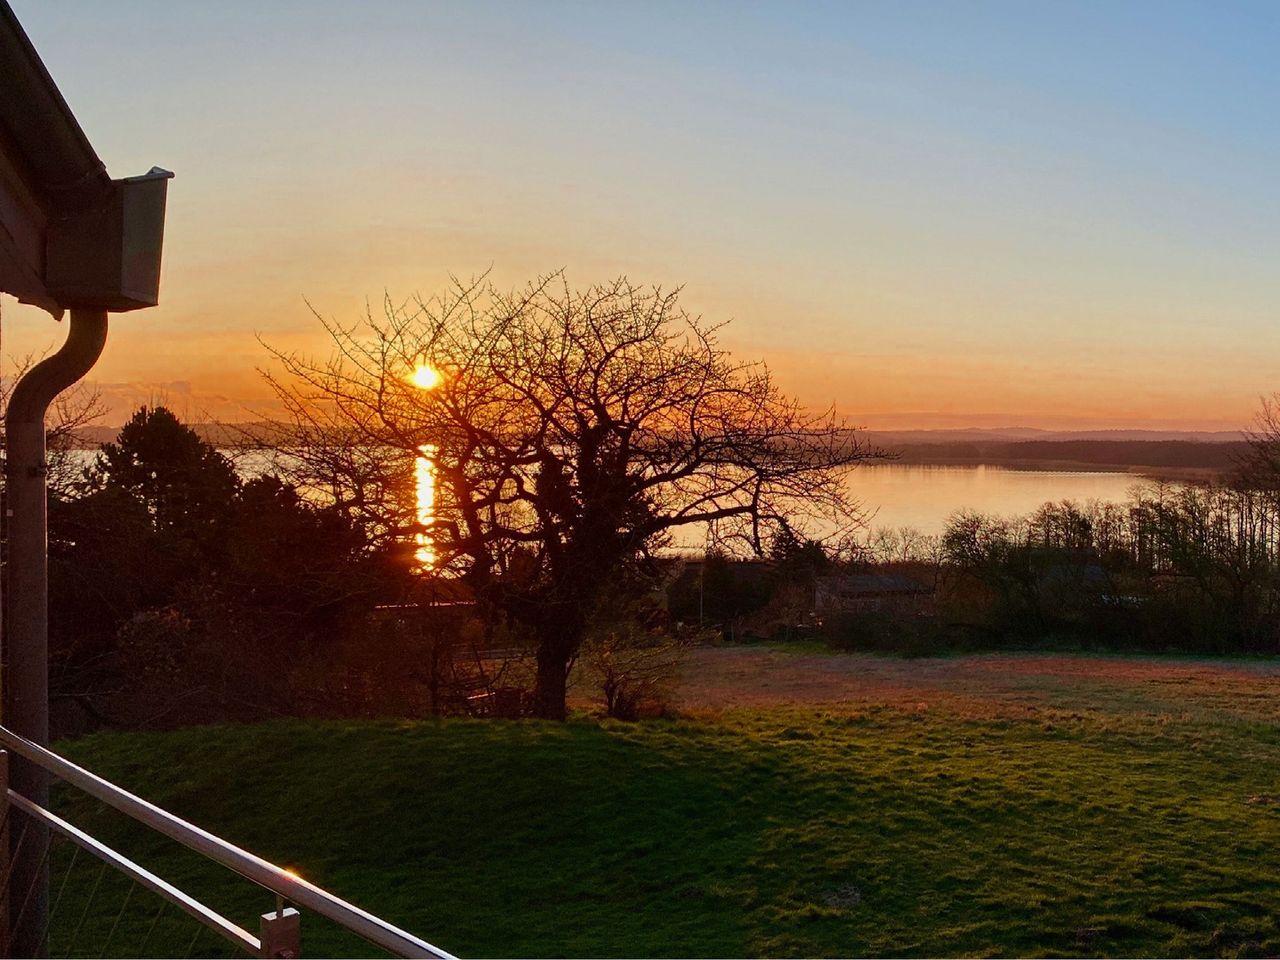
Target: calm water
column 923, row 497
column 908, row 495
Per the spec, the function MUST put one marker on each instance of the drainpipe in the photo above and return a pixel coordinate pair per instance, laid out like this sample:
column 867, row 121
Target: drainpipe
column 26, row 639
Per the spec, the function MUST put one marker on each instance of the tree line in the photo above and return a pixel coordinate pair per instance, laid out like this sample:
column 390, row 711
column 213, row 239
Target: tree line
column 180, row 589
column 1185, row 567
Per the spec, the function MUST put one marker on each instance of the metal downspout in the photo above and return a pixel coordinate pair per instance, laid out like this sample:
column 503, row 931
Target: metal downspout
column 26, row 635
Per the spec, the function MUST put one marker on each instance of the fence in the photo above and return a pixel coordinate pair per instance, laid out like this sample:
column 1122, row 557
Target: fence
column 279, row 932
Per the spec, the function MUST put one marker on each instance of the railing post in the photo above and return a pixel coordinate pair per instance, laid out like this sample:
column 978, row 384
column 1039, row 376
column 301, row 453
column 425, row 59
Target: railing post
column 280, row 933
column 4, row 852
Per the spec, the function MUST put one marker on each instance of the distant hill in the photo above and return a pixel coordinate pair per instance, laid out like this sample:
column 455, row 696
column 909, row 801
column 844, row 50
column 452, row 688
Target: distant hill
column 980, row 434
column 1163, row 457
column 218, row 434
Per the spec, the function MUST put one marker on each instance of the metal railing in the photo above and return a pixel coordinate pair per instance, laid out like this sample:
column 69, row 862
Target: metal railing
column 279, row 929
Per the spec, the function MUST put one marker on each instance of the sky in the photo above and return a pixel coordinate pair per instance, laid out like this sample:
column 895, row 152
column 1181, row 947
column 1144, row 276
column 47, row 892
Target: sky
column 936, row 214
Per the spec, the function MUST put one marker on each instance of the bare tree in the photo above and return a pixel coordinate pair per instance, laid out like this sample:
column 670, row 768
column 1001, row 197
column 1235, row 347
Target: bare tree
column 1259, row 469
column 905, row 544
column 571, row 432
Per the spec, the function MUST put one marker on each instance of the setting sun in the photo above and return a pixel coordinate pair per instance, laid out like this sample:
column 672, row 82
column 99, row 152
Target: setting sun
column 425, row 377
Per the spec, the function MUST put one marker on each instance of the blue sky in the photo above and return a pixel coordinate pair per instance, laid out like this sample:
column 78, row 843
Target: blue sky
column 1040, row 213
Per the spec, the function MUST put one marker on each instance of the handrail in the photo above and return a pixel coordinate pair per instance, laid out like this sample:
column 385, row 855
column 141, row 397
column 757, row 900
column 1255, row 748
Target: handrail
column 276, row 879
column 188, row 904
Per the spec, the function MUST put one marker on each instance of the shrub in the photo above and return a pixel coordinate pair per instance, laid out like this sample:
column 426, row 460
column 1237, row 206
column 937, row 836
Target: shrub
column 887, row 630
column 633, row 670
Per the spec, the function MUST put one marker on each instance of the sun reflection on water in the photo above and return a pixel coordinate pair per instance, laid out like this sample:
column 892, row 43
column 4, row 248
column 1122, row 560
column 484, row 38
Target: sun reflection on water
column 424, row 475
column 425, row 377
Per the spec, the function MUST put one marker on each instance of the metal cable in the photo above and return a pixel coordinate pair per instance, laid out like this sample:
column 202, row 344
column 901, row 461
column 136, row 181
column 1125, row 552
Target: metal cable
column 87, row 905
column 192, row 945
column 152, row 929
column 62, row 888
column 13, row 857
column 127, row 897
column 35, row 882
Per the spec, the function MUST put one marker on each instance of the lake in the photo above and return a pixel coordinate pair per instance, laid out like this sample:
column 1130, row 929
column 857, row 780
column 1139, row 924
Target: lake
column 903, row 495
column 921, row 496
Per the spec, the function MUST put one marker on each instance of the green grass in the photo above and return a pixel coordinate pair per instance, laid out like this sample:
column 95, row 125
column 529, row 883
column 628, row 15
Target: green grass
column 784, row 832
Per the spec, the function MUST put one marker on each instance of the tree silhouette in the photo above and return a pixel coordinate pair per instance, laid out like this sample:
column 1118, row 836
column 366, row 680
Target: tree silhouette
column 185, row 484
column 572, row 432
column 301, row 569
column 164, row 534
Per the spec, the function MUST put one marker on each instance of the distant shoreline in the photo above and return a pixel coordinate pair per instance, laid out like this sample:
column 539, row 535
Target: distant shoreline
column 1179, row 459
column 1186, row 474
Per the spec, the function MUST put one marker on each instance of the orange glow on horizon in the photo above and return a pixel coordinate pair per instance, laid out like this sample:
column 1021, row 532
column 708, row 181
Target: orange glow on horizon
column 992, row 280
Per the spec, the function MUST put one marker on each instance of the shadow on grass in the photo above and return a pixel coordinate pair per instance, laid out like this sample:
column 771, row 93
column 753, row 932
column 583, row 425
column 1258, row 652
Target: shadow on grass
column 784, row 832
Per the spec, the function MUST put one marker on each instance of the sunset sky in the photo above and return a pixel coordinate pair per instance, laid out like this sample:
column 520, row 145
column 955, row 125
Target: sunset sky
column 936, row 214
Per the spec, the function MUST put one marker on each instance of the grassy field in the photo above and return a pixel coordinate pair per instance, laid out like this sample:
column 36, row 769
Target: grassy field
column 1037, row 805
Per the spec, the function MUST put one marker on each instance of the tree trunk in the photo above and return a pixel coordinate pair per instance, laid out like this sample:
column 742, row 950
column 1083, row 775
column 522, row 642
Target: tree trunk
column 559, row 635
column 559, row 631
column 549, row 686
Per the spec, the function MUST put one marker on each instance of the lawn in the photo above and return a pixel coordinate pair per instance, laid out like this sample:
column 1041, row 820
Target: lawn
column 1059, row 806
